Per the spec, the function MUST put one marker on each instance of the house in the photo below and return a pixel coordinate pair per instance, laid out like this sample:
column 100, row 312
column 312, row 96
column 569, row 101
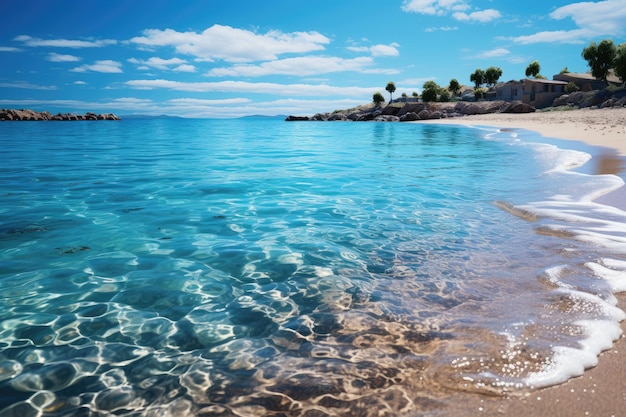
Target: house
column 509, row 91
column 586, row 81
column 537, row 92
column 540, row 93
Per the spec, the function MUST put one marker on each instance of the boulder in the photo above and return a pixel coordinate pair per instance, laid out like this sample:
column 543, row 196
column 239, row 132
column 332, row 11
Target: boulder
column 409, row 117
column 337, row 116
column 390, row 111
column 424, row 115
column 386, row 118
column 298, row 118
column 411, row 108
column 517, row 107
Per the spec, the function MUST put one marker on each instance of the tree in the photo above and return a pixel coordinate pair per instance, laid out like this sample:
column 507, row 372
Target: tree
column 415, row 94
column 391, row 87
column 571, row 87
column 454, row 87
column 492, row 75
column 478, row 77
column 378, row 98
column 619, row 63
column 600, row 58
column 533, row 69
column 430, row 91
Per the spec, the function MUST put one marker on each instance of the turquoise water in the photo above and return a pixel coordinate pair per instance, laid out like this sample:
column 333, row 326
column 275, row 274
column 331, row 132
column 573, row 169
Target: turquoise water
column 258, row 267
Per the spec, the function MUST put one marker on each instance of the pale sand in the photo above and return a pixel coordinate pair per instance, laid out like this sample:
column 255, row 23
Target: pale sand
column 605, row 127
column 601, row 391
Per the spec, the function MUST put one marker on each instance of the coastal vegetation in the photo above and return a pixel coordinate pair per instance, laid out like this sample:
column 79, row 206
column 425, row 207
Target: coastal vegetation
column 602, row 58
column 605, row 60
column 533, row 69
column 391, row 87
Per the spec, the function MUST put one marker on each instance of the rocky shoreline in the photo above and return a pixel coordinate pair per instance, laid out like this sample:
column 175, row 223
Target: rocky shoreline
column 408, row 112
column 31, row 115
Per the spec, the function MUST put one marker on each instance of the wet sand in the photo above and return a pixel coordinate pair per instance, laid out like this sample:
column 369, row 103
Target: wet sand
column 600, row 391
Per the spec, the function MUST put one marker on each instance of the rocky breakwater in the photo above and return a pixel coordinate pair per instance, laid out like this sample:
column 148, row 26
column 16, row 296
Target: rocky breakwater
column 410, row 112
column 31, row 115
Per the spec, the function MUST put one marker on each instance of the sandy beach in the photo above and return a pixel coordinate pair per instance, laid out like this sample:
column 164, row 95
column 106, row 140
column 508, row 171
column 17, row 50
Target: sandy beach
column 601, row 391
column 605, row 127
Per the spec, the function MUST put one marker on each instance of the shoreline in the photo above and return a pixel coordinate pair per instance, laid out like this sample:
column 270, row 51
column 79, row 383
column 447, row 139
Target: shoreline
column 599, row 391
column 601, row 127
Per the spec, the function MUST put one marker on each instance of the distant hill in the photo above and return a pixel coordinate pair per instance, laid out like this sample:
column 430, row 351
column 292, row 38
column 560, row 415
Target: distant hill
column 262, row 116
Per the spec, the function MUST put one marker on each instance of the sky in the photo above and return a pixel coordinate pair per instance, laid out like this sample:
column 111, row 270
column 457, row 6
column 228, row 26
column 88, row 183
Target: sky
column 225, row 58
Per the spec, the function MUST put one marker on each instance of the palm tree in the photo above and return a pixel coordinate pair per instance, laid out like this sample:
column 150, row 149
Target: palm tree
column 391, row 87
column 533, row 69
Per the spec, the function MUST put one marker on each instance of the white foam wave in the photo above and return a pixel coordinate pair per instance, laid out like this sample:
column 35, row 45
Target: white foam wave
column 570, row 362
column 570, row 212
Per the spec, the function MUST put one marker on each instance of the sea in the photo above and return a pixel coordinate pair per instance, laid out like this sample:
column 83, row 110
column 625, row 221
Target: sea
column 257, row 267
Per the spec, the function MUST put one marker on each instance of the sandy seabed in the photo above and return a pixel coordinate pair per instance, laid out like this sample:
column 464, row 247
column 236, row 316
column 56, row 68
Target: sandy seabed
column 600, row 391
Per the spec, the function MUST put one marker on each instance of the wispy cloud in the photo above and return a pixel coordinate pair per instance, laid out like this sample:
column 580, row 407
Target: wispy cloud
column 231, row 107
column 434, row 7
column 232, row 44
column 298, row 66
column 378, row 50
column 54, row 57
column 105, row 66
column 259, row 88
column 173, row 64
column 577, row 36
column 63, row 43
column 441, row 28
column 459, row 9
column 9, row 49
column 482, row 16
column 27, row 86
column 494, row 53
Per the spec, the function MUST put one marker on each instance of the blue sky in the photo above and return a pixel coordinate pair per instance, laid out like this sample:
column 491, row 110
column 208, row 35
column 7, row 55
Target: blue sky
column 232, row 58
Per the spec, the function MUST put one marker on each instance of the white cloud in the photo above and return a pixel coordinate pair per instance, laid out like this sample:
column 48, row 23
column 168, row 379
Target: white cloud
column 184, row 68
column 592, row 18
column 378, row 50
column 233, row 45
column 80, row 82
column 299, row 66
column 482, row 16
column 603, row 17
column 434, row 7
column 577, row 36
column 442, row 28
column 133, row 100
column 27, row 86
column 163, row 64
column 64, row 43
column 458, row 8
column 494, row 53
column 106, row 66
column 9, row 49
column 54, row 57
column 233, row 107
column 385, row 50
column 259, row 88
column 203, row 102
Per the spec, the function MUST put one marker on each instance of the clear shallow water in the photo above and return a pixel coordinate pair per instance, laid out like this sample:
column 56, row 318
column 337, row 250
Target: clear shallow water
column 257, row 267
